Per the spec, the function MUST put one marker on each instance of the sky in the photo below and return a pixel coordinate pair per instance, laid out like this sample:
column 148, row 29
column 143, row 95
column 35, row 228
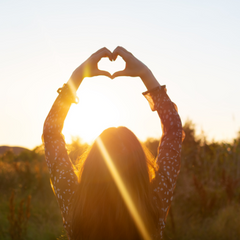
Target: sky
column 192, row 47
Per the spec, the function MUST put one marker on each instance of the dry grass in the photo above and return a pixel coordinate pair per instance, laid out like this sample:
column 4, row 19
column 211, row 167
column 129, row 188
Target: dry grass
column 205, row 206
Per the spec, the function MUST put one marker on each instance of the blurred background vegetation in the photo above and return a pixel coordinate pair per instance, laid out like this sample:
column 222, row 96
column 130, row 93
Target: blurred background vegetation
column 205, row 205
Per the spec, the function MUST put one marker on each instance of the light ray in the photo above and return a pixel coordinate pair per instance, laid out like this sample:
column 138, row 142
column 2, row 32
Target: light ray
column 86, row 71
column 73, row 89
column 123, row 190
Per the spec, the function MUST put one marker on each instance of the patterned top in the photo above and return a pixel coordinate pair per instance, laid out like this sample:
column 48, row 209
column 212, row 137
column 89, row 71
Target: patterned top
column 61, row 169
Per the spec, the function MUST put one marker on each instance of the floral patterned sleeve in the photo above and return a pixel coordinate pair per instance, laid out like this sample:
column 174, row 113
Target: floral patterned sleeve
column 61, row 169
column 169, row 152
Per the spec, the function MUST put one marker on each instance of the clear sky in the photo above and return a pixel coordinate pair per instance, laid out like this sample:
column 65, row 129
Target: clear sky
column 191, row 46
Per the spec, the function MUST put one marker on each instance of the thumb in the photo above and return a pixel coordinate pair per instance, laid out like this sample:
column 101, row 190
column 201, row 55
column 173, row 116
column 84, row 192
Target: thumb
column 104, row 73
column 119, row 74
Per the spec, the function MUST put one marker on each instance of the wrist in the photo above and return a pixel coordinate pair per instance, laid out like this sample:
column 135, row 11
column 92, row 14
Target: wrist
column 77, row 77
column 149, row 80
column 146, row 74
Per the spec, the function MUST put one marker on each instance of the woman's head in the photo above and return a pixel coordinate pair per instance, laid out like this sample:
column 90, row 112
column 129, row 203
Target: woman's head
column 99, row 208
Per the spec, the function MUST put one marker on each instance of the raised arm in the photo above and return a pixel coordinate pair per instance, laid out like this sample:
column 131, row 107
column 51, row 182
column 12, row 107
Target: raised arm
column 61, row 170
column 169, row 152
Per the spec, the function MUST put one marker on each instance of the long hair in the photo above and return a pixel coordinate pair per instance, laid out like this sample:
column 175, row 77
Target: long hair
column 99, row 211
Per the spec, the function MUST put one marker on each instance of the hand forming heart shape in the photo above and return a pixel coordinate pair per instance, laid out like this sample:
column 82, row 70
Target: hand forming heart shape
column 133, row 68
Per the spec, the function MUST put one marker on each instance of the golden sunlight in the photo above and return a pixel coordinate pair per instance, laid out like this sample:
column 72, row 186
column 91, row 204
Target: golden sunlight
column 94, row 113
column 112, row 67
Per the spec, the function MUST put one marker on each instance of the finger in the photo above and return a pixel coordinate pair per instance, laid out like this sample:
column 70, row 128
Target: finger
column 103, row 52
column 120, row 51
column 119, row 74
column 103, row 73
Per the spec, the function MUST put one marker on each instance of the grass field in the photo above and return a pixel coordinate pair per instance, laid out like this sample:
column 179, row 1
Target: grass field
column 205, row 206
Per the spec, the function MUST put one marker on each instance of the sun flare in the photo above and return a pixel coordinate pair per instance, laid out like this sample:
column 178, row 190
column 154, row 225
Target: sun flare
column 94, row 113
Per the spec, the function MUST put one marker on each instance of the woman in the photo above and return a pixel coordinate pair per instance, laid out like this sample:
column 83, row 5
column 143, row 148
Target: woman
column 119, row 192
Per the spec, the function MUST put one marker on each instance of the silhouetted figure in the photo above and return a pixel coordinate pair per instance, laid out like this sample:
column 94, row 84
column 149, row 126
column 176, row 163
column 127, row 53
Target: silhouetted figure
column 119, row 191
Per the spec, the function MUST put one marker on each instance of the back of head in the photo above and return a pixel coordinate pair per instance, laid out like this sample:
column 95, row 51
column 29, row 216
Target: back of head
column 99, row 209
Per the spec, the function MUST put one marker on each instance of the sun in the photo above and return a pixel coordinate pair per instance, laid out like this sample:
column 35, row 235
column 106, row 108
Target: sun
column 94, row 113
